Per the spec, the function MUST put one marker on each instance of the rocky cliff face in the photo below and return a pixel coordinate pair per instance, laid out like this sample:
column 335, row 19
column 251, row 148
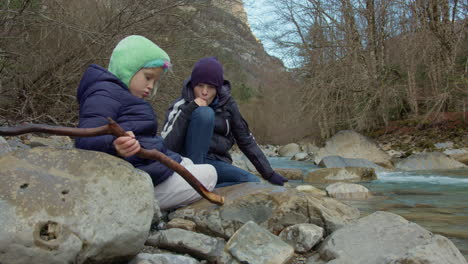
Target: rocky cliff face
column 220, row 28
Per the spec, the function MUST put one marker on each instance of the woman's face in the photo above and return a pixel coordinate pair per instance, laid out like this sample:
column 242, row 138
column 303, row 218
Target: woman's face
column 205, row 91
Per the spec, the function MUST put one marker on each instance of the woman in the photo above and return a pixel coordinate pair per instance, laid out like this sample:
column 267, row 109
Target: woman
column 205, row 122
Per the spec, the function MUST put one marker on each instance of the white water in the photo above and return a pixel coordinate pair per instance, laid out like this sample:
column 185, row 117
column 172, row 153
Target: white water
column 419, row 177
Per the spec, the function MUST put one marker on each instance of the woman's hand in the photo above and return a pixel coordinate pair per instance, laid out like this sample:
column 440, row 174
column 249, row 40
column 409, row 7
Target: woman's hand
column 200, row 102
column 277, row 179
column 127, row 146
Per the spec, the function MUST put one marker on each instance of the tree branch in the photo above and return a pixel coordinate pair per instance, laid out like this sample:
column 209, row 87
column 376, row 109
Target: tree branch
column 114, row 129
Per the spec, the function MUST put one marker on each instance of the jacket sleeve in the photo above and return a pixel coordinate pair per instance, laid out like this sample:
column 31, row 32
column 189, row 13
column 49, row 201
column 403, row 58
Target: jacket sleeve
column 175, row 127
column 93, row 113
column 247, row 143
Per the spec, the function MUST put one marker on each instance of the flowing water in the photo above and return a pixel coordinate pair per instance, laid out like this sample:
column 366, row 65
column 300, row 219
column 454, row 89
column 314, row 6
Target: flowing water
column 436, row 200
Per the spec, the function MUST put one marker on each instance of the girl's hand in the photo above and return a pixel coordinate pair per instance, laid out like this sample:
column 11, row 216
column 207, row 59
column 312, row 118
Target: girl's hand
column 200, row 102
column 127, row 146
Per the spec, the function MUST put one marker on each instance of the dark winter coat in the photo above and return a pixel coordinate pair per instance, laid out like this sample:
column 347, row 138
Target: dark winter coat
column 230, row 127
column 100, row 95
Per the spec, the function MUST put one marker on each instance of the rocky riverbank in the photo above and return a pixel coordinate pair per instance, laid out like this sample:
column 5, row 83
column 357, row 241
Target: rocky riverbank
column 62, row 205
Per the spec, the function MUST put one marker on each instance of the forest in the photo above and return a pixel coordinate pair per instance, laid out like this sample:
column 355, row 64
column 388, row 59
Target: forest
column 357, row 64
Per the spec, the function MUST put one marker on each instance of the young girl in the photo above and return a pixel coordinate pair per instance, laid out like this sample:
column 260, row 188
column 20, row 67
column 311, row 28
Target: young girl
column 135, row 67
column 205, row 122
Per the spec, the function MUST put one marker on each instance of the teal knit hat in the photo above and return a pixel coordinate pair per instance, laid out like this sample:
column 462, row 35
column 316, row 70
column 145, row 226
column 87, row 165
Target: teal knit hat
column 134, row 53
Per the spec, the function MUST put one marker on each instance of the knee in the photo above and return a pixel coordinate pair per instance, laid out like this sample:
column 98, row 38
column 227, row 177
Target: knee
column 204, row 115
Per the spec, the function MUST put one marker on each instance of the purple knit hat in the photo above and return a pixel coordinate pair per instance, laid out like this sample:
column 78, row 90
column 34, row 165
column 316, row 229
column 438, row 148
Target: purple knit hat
column 208, row 70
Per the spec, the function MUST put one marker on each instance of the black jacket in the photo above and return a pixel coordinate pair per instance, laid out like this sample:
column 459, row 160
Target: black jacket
column 230, row 127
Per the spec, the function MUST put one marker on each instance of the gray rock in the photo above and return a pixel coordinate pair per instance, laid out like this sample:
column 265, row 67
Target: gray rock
column 272, row 207
column 72, row 206
column 340, row 162
column 290, row 173
column 311, row 189
column 182, row 224
column 241, row 161
column 145, row 258
column 439, row 250
column 341, row 190
column 16, row 144
column 302, row 237
column 350, row 144
column 269, row 150
column 444, row 145
column 4, row 147
column 348, row 174
column 289, row 150
column 62, row 142
column 255, row 245
column 460, row 155
column 301, row 156
column 377, row 238
column 428, row 161
column 183, row 241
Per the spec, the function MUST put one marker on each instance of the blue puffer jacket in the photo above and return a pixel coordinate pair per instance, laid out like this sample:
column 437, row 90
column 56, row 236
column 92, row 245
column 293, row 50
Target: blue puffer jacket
column 100, row 95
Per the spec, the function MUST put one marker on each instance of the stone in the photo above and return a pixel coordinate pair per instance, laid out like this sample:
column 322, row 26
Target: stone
column 348, row 174
column 444, row 145
column 438, row 250
column 17, row 144
column 311, row 189
column 146, row 258
column 290, row 173
column 302, row 237
column 272, row 207
column 341, row 190
column 4, row 147
column 241, row 161
column 289, row 150
column 72, row 206
column 340, row 162
column 428, row 161
column 460, row 155
column 255, row 245
column 182, row 224
column 301, row 156
column 350, row 144
column 183, row 241
column 380, row 237
column 63, row 142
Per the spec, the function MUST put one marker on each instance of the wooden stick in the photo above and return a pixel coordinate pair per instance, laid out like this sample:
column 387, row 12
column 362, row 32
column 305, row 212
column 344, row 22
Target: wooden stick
column 116, row 130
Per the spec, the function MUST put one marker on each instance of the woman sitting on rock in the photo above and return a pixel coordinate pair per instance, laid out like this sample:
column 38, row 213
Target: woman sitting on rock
column 205, row 122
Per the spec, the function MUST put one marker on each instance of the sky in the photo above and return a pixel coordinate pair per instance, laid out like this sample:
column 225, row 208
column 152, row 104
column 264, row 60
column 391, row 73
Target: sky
column 259, row 12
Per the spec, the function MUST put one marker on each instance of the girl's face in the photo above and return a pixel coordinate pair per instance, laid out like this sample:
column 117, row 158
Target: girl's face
column 144, row 81
column 205, row 91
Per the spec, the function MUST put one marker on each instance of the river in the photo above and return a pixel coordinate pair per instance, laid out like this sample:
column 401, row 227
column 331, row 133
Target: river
column 436, row 200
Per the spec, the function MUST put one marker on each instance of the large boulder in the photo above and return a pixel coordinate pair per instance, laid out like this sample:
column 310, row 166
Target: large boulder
column 350, row 144
column 429, row 161
column 460, row 155
column 342, row 190
column 289, row 150
column 385, row 238
column 271, row 207
column 340, row 162
column 72, row 206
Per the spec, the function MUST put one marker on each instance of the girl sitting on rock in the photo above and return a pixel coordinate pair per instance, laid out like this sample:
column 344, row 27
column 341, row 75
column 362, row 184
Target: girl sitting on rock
column 205, row 122
column 119, row 92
